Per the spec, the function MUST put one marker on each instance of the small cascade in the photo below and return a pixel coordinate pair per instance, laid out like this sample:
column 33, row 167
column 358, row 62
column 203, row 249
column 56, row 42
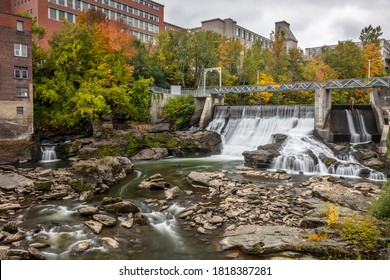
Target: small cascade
column 365, row 135
column 48, row 153
column 167, row 226
column 246, row 128
column 355, row 136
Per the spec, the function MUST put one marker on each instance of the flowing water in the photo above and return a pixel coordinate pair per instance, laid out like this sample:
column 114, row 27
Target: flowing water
column 48, row 154
column 62, row 227
column 244, row 128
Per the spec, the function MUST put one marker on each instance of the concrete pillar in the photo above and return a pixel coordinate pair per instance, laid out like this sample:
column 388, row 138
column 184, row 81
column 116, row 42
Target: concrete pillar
column 323, row 104
column 208, row 109
column 159, row 100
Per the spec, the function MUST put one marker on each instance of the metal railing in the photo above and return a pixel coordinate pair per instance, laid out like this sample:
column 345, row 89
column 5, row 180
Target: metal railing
column 377, row 82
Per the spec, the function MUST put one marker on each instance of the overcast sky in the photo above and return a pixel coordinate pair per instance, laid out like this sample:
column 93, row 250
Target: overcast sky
column 313, row 22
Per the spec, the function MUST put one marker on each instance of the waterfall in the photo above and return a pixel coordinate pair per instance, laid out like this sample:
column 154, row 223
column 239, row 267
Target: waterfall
column 48, row 153
column 365, row 136
column 355, row 137
column 244, row 128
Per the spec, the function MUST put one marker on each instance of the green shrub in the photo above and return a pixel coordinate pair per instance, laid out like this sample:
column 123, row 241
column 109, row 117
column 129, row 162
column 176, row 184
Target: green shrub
column 381, row 207
column 360, row 231
column 179, row 110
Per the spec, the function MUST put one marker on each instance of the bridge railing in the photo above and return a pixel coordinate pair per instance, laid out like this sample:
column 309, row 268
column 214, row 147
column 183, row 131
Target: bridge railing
column 376, row 82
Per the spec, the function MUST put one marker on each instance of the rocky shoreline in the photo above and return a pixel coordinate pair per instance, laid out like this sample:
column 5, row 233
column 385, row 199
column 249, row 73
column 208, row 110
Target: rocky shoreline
column 269, row 221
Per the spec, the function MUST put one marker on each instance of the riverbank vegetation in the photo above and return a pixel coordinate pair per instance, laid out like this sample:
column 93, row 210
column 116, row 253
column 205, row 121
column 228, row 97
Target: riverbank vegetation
column 95, row 69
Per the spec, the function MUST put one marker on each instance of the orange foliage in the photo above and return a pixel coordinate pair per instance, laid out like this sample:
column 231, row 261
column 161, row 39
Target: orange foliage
column 372, row 52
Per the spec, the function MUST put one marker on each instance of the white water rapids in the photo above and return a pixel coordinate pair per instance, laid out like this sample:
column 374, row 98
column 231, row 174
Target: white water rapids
column 244, row 128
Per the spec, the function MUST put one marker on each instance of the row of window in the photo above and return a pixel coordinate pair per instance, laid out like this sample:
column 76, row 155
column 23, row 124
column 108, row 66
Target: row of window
column 84, row 6
column 245, row 35
column 147, row 4
column 59, row 15
column 19, row 2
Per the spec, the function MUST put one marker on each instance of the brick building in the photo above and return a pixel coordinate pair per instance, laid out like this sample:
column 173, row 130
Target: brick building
column 145, row 17
column 16, row 98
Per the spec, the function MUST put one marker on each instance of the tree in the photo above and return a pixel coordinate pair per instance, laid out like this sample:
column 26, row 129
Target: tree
column 373, row 58
column 88, row 75
column 346, row 59
column 370, row 35
column 179, row 110
column 317, row 70
column 279, row 58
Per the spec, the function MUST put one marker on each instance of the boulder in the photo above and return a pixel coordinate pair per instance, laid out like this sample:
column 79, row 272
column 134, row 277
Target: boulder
column 105, row 220
column 141, row 219
column 14, row 237
column 44, row 186
column 106, row 170
column 37, row 255
column 260, row 158
column 81, row 247
column 205, row 179
column 196, row 143
column 121, row 207
column 172, row 193
column 95, row 226
column 110, row 242
column 155, row 182
column 151, row 154
column 159, row 127
column 128, row 223
column 88, row 210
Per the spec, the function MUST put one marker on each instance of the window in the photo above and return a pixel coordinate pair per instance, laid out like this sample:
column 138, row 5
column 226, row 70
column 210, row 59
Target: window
column 20, row 50
column 19, row 110
column 20, row 72
column 21, row 92
column 19, row 25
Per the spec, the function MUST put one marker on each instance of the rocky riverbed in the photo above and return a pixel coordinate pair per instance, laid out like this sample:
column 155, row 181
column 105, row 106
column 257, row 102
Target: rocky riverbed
column 267, row 220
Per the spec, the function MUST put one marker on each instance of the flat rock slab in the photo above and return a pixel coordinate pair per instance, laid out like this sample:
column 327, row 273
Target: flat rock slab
column 253, row 239
column 262, row 240
column 11, row 181
column 9, row 206
column 105, row 220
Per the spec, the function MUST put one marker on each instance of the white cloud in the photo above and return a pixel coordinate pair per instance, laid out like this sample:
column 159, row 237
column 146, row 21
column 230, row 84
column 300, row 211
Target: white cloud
column 314, row 22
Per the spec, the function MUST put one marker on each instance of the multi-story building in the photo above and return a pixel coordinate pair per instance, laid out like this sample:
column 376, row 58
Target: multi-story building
column 229, row 28
column 384, row 47
column 290, row 41
column 145, row 17
column 16, row 98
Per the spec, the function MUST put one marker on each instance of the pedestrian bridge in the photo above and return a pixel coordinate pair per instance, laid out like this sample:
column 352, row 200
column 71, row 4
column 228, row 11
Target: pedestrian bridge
column 377, row 82
column 207, row 99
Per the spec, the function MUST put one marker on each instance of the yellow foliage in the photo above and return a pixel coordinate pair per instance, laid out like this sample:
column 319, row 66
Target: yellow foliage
column 332, row 215
column 317, row 237
column 360, row 231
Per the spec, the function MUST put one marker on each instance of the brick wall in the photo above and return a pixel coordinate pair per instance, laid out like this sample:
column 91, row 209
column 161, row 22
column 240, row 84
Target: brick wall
column 14, row 124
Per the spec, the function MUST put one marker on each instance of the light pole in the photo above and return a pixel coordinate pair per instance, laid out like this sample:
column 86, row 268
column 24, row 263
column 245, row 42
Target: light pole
column 206, row 70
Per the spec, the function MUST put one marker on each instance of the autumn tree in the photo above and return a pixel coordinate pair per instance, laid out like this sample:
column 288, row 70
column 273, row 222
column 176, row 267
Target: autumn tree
column 88, row 75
